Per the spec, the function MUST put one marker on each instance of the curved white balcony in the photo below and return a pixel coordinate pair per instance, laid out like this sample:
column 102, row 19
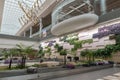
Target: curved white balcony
column 74, row 24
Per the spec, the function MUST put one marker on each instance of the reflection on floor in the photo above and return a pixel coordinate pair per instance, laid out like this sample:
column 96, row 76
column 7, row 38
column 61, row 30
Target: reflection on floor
column 95, row 75
column 115, row 76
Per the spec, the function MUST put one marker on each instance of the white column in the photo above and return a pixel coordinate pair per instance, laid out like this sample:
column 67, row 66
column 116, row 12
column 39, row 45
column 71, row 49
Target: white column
column 41, row 25
column 24, row 34
column 30, row 31
column 103, row 6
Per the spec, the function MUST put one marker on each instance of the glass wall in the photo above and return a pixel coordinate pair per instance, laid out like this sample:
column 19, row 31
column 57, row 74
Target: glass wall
column 112, row 5
column 27, row 34
column 35, row 28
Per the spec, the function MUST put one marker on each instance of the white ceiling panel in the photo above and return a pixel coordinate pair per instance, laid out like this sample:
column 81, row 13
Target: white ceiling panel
column 10, row 23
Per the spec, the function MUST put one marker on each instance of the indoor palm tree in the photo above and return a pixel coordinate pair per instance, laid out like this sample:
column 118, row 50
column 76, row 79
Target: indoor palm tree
column 24, row 51
column 63, row 52
column 10, row 53
column 48, row 51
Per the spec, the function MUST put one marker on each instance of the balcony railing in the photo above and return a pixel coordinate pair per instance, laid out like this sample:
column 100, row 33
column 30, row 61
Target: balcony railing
column 40, row 33
column 70, row 8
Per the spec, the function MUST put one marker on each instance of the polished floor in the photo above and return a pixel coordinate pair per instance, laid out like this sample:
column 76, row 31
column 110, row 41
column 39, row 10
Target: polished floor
column 91, row 75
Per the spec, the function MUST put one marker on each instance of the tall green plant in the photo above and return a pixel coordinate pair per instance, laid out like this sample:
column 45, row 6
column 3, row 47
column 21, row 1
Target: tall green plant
column 24, row 51
column 77, row 45
column 89, row 54
column 117, row 38
column 41, row 52
column 56, row 46
column 10, row 53
column 87, row 41
column 63, row 52
column 48, row 51
column 108, row 50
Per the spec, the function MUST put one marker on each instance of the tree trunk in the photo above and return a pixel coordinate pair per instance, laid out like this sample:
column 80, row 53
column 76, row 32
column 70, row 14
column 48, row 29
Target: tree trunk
column 93, row 58
column 10, row 63
column 64, row 59
column 89, row 59
column 49, row 56
column 23, row 62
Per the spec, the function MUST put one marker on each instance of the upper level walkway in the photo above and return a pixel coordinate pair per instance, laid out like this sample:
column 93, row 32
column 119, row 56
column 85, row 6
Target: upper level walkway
column 9, row 41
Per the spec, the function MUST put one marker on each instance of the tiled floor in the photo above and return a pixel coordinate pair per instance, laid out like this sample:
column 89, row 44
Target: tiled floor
column 91, row 75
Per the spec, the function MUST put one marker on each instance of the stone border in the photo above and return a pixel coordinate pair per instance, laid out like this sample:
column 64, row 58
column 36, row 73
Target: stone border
column 58, row 74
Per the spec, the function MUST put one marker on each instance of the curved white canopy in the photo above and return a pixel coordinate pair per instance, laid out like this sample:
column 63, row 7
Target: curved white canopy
column 74, row 23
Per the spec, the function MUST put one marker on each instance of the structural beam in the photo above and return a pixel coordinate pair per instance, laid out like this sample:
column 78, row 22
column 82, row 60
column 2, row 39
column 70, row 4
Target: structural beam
column 103, row 6
column 1, row 10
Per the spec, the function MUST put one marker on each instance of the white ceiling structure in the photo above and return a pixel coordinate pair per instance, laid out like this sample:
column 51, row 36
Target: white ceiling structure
column 1, row 10
column 11, row 43
column 7, row 41
column 10, row 23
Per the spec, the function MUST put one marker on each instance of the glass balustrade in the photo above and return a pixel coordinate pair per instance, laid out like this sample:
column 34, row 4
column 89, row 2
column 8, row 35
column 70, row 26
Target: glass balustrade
column 70, row 8
column 44, row 32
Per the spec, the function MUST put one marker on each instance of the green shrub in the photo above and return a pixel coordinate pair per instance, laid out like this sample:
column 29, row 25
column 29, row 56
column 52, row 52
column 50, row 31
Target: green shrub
column 36, row 65
column 43, row 65
column 40, row 65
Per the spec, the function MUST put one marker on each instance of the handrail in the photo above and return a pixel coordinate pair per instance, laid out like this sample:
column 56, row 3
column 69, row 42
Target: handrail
column 58, row 17
column 38, row 33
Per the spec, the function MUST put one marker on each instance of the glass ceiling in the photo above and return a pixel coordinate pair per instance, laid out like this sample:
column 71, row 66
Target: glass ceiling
column 10, row 23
